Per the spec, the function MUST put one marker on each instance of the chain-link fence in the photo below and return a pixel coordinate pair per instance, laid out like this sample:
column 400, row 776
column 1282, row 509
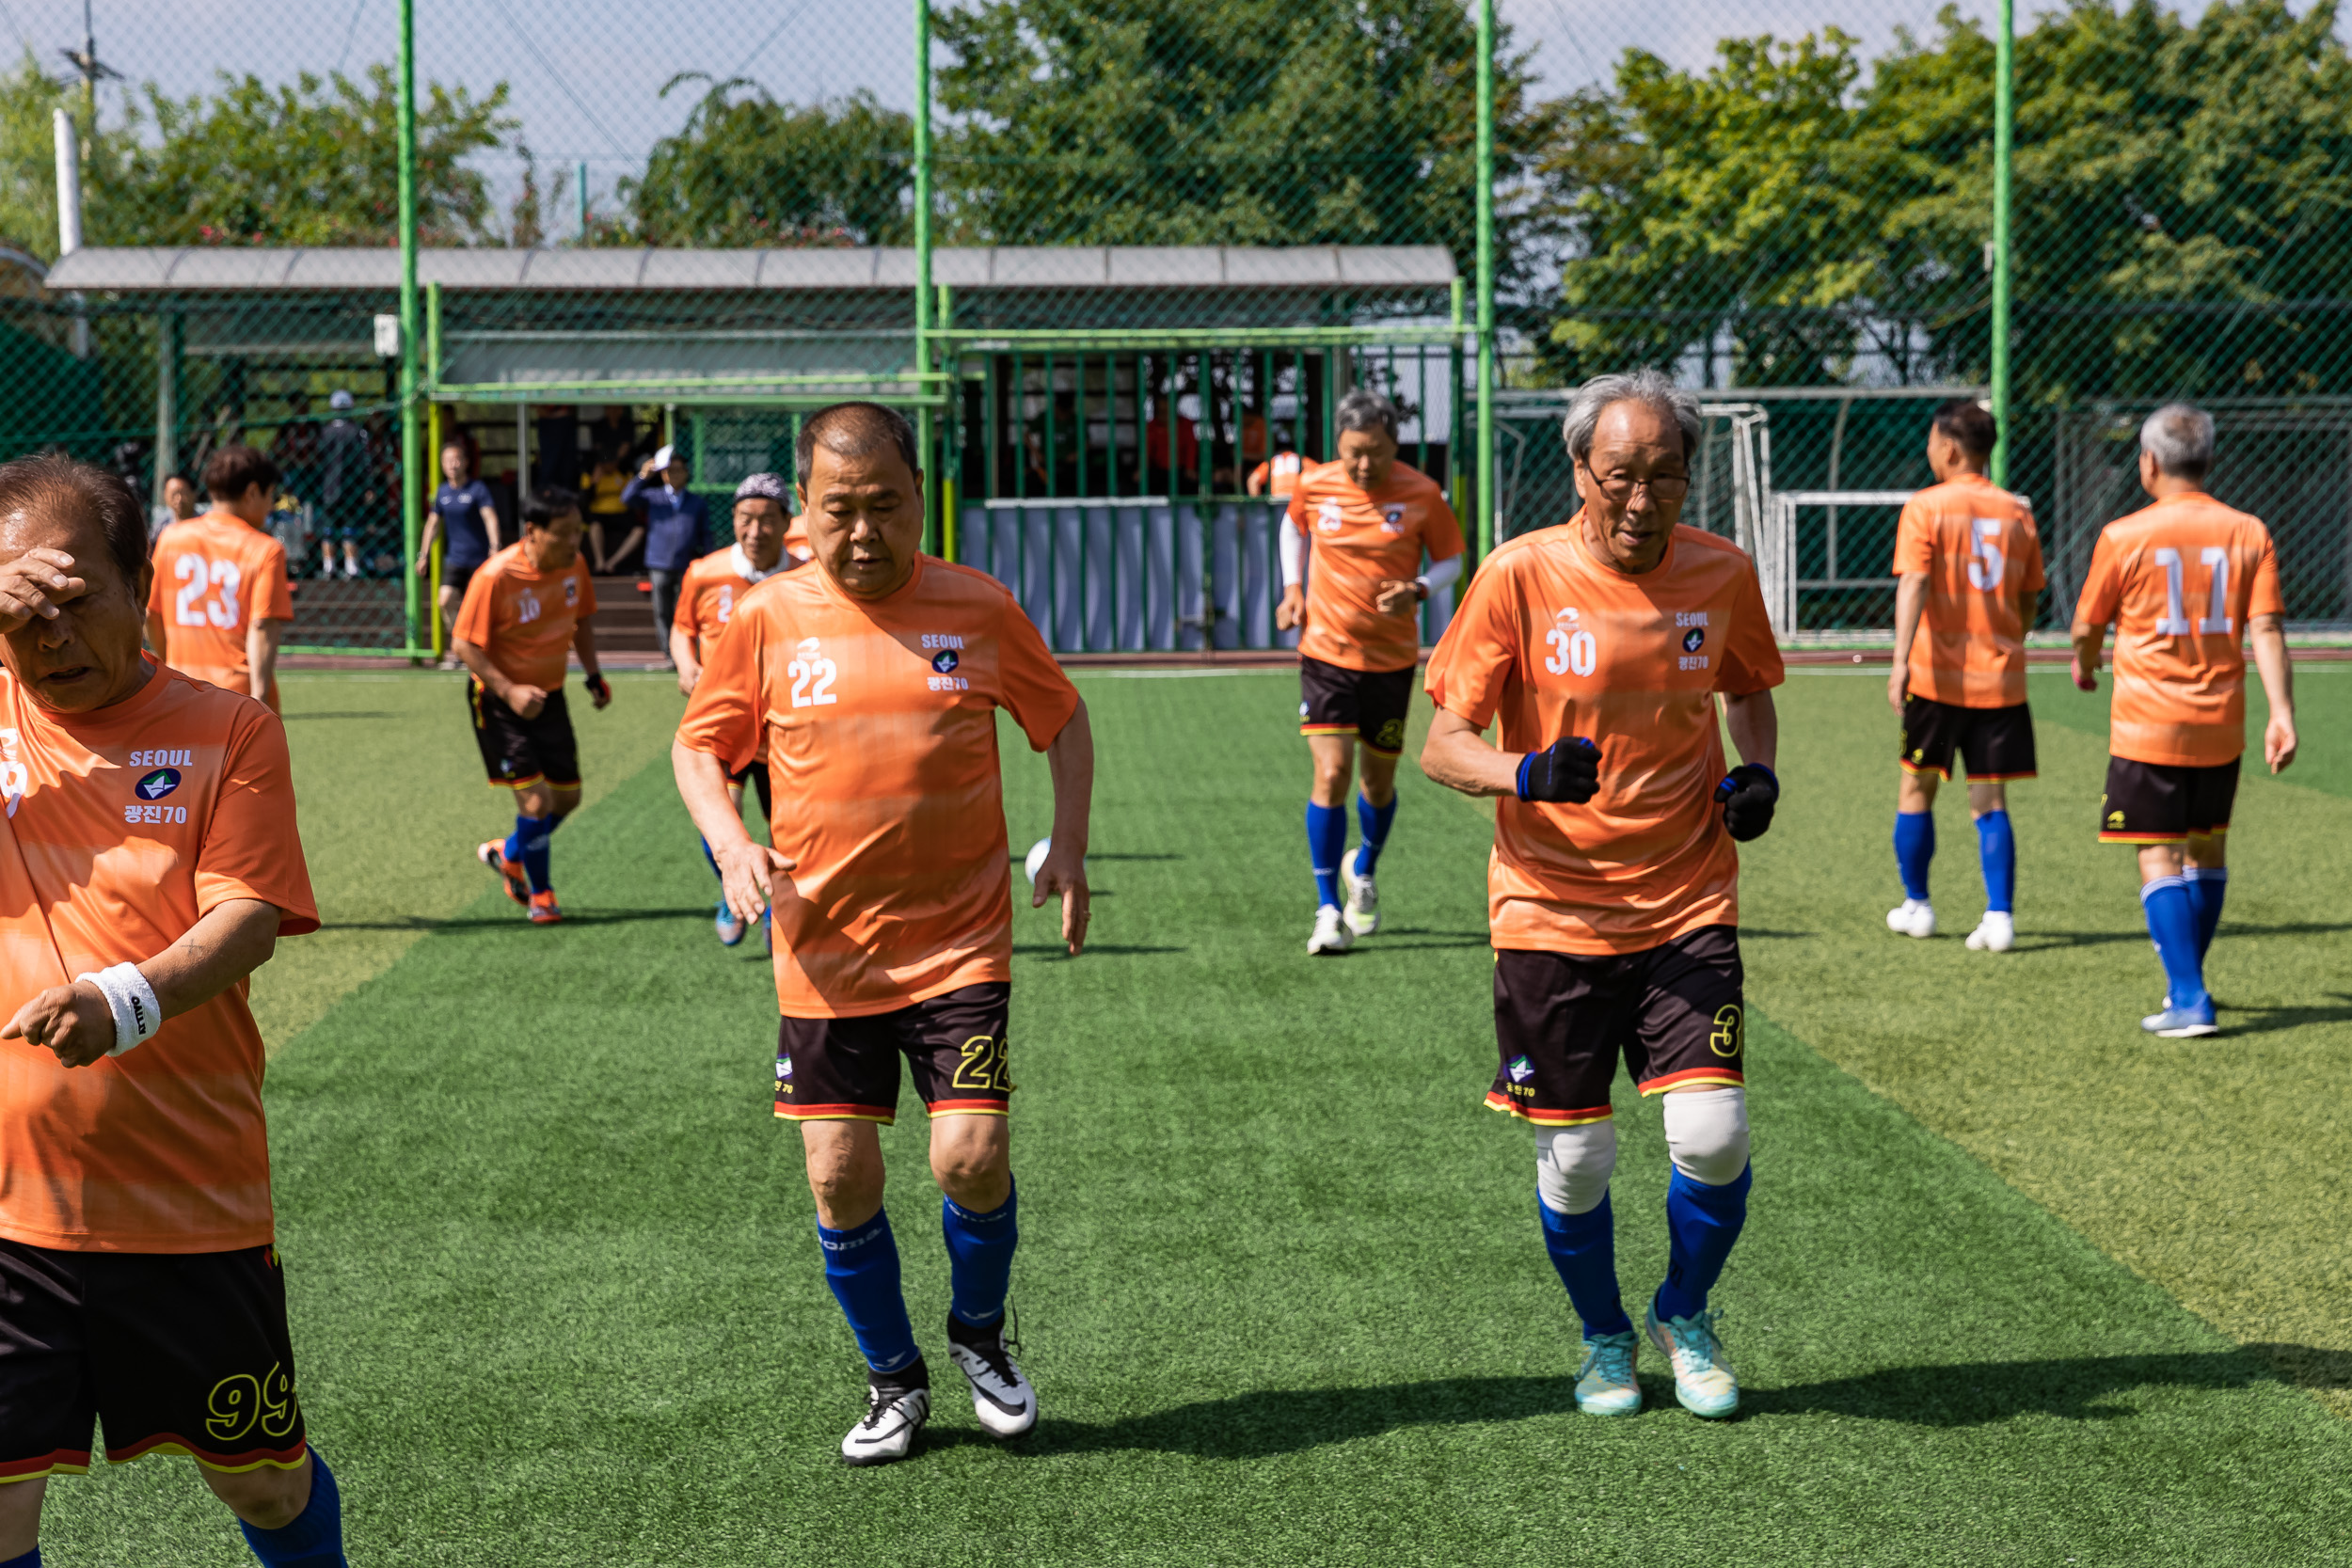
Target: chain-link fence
column 1115, row 255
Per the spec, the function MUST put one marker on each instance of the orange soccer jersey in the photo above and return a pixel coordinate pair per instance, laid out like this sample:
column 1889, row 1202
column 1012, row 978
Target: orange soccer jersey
column 215, row 577
column 1279, row 474
column 2179, row 580
column 524, row 619
column 707, row 593
column 877, row 721
column 1559, row 643
column 124, row 827
column 1360, row 539
column 1982, row 554
column 795, row 542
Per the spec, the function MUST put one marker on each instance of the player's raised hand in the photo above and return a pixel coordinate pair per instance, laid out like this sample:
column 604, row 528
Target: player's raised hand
column 2279, row 742
column 750, row 874
column 74, row 1021
column 1065, row 873
column 1566, row 772
column 35, row 583
column 1748, row 794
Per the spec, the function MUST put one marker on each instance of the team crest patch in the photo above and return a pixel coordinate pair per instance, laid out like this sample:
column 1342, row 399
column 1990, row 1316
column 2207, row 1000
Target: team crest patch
column 571, row 591
column 155, row 785
column 1520, row 1069
column 784, row 1068
column 1392, row 519
column 944, row 660
column 1694, row 638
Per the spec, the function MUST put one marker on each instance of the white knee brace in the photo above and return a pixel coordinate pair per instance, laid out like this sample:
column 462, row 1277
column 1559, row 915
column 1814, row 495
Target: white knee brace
column 1572, row 1165
column 1707, row 1133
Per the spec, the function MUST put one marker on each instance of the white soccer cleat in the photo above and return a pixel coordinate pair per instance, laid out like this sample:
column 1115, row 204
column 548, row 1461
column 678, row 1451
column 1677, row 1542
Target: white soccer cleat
column 1996, row 933
column 1704, row 1381
column 894, row 1416
column 1331, row 932
column 1605, row 1384
column 1002, row 1399
column 1362, row 913
column 1914, row 917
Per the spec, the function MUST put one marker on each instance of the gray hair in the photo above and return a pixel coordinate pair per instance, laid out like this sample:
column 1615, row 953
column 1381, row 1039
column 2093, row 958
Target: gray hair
column 1647, row 386
column 2179, row 436
column 766, row 487
column 1364, row 409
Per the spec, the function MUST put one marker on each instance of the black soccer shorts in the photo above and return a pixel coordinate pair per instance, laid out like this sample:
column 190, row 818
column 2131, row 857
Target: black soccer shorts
column 176, row 1353
column 1371, row 704
column 2159, row 802
column 847, row 1069
column 1675, row 1012
column 518, row 750
column 1994, row 743
column 755, row 774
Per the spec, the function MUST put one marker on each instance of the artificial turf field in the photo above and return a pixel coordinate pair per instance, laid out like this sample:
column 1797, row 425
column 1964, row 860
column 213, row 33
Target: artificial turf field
column 2019, row 1284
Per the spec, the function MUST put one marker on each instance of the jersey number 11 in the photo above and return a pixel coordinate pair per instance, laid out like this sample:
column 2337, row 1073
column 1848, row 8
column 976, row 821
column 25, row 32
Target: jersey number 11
column 2176, row 617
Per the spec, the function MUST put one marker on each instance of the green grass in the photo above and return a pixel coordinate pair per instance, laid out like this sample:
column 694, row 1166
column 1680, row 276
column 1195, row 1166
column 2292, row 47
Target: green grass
column 557, row 1301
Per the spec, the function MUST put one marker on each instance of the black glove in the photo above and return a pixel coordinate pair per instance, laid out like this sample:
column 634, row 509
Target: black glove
column 1568, row 772
column 597, row 687
column 1747, row 795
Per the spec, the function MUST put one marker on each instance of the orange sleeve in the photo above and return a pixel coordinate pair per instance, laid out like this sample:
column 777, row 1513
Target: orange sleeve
column 1036, row 692
column 2266, row 598
column 689, row 594
column 1479, row 654
column 1914, row 541
column 1441, row 536
column 1262, row 471
column 1751, row 661
column 726, row 716
column 2034, row 578
column 473, row 615
column 251, row 849
column 587, row 591
column 2103, row 592
column 273, row 596
column 1298, row 513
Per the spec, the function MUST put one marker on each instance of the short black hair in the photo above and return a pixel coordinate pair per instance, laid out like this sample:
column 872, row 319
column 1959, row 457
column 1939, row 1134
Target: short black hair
column 90, row 492
column 1969, row 425
column 549, row 503
column 234, row 469
column 854, row 430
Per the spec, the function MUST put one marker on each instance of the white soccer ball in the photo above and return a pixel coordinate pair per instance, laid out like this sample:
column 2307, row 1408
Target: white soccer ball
column 1038, row 852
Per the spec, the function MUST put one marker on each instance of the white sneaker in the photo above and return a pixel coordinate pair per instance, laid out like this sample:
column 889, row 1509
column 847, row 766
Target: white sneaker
column 1914, row 917
column 1362, row 913
column 1704, row 1381
column 1001, row 1397
column 1996, row 933
column 893, row 1419
column 1331, row 932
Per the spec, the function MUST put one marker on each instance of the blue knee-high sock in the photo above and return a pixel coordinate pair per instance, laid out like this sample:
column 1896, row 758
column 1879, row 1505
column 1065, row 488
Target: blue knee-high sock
column 1915, row 847
column 980, row 1257
column 30, row 1559
column 712, row 861
column 862, row 1267
column 1373, row 822
column 1326, row 841
column 2207, row 886
column 1583, row 1249
column 316, row 1539
column 2172, row 921
column 1996, row 847
column 527, row 846
column 1701, row 1222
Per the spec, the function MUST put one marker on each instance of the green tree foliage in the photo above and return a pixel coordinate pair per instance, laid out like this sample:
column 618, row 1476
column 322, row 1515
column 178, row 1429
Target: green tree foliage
column 28, row 167
column 1246, row 122
column 313, row 162
column 2180, row 190
column 748, row 170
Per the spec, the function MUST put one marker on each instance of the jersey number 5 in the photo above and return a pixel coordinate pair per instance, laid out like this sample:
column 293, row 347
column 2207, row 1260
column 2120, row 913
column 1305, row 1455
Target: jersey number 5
column 812, row 681
column 1575, row 651
column 196, row 574
column 2216, row 560
column 1987, row 565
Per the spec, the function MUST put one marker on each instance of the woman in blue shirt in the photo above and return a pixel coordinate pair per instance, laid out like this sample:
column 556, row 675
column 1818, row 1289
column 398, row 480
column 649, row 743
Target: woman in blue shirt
column 461, row 515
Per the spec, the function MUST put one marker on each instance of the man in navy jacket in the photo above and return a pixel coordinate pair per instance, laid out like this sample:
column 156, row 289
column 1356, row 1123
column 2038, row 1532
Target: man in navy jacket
column 678, row 530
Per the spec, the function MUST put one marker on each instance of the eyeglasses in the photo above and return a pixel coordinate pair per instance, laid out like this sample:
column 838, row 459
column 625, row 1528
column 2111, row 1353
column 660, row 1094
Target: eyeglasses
column 1665, row 487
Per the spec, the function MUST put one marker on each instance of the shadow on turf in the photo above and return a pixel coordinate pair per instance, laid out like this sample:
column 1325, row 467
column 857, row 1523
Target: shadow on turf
column 463, row 923
column 291, row 718
column 2029, row 942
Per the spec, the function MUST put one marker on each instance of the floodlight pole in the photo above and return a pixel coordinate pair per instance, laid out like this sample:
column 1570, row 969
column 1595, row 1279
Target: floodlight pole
column 924, row 432
column 2004, row 148
column 411, row 438
column 1485, row 484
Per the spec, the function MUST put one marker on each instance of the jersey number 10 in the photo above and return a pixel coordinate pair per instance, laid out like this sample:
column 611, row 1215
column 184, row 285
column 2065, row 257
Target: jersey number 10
column 2216, row 559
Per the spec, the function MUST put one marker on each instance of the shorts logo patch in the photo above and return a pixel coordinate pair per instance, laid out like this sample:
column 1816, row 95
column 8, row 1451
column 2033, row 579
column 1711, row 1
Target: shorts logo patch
column 1724, row 1039
column 1520, row 1069
column 784, row 1068
column 2115, row 819
column 1302, row 710
column 241, row 1403
column 159, row 784
column 1391, row 736
column 944, row 660
column 571, row 591
column 1694, row 638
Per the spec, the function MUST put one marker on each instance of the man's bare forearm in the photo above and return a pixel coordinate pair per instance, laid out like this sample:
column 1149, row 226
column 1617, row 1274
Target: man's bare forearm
column 1754, row 721
column 1071, row 761
column 702, row 784
column 2268, row 635
column 1910, row 602
column 584, row 645
column 1457, row 756
column 230, row 941
column 476, row 658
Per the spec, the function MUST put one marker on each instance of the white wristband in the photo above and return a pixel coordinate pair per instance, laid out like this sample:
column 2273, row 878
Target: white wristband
column 137, row 1013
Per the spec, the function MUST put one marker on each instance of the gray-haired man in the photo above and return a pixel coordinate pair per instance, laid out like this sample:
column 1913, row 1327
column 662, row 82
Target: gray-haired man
column 1369, row 520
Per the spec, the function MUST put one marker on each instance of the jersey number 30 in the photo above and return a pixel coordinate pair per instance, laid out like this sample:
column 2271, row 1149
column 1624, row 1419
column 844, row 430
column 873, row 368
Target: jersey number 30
column 197, row 574
column 1575, row 651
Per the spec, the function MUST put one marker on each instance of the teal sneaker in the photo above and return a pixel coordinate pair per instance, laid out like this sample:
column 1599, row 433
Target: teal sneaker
column 1604, row 1384
column 1703, row 1379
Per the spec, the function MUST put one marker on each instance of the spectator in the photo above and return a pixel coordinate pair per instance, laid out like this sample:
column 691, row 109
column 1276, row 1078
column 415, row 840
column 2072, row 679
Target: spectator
column 295, row 448
column 178, row 506
column 347, row 483
column 678, row 530
column 461, row 515
column 607, row 480
column 559, row 448
column 614, row 435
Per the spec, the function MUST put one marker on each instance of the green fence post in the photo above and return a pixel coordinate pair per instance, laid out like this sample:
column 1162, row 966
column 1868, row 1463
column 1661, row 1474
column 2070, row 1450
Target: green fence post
column 411, row 438
column 1488, row 520
column 2004, row 140
column 923, row 357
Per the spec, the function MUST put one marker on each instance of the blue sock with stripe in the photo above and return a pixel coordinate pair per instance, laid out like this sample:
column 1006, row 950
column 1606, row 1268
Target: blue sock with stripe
column 1701, row 1222
column 2207, row 886
column 711, row 861
column 316, row 1539
column 980, row 1257
column 1996, row 847
column 30, row 1559
column 2172, row 921
column 1326, row 841
column 1373, row 822
column 861, row 1270
column 1915, row 847
column 528, row 846
column 1584, row 1250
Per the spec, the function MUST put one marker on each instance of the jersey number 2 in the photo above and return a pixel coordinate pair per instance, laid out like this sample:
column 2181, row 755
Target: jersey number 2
column 812, row 681
column 2214, row 559
column 196, row 574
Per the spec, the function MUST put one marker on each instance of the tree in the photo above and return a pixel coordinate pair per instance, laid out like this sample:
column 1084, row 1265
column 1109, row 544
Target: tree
column 749, row 170
column 1243, row 122
column 313, row 162
column 2180, row 188
column 28, row 166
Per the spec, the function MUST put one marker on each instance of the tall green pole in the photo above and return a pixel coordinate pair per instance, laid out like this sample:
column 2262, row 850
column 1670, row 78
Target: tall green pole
column 1486, row 491
column 411, row 437
column 2004, row 147
column 923, row 357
